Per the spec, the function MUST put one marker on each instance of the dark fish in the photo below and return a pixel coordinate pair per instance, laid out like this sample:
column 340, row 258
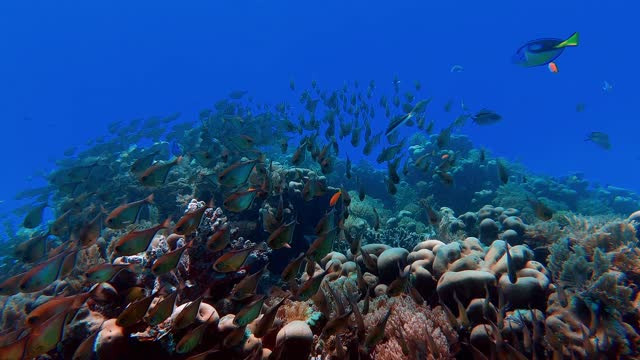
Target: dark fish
column 486, row 117
column 542, row 211
column 417, row 109
column 542, row 51
column 599, row 138
column 392, row 167
column 348, row 168
column 361, row 192
column 34, row 217
column 376, row 221
column 503, row 174
column 511, row 268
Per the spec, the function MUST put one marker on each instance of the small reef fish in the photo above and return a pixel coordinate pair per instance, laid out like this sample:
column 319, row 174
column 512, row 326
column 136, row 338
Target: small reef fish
column 264, row 324
column 542, row 211
column 134, row 313
column 55, row 306
column 282, row 236
column 553, row 67
column 42, row 275
column 11, row 285
column 246, row 288
column 192, row 339
column 334, row 199
column 249, row 312
column 188, row 314
column 241, row 200
column 138, row 241
column 542, row 51
column 85, row 351
column 417, row 109
column 376, row 334
column 126, row 214
column 143, row 163
column 157, row 173
column 162, row 310
column 599, row 138
column 486, row 117
column 236, row 174
column 105, row 272
column 169, row 261
column 33, row 249
column 219, row 239
column 511, row 267
column 46, row 336
column 190, row 221
column 503, row 173
column 34, row 217
column 233, row 260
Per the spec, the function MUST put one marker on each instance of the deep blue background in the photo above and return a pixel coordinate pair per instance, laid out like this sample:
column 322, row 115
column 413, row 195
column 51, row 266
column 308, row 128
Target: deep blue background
column 67, row 68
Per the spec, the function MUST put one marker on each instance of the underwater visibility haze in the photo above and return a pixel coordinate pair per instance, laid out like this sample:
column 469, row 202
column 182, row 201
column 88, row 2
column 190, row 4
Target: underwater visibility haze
column 335, row 180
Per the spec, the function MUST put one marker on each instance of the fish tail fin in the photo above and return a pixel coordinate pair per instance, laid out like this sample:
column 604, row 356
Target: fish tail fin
column 571, row 41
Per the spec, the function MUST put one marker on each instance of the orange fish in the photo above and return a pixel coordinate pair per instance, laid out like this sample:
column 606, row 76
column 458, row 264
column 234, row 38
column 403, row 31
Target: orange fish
column 42, row 275
column 335, row 197
column 219, row 240
column 53, row 307
column 10, row 286
column 46, row 336
column 162, row 310
column 33, row 249
column 14, row 350
column 126, row 214
column 553, row 67
column 190, row 221
column 445, row 157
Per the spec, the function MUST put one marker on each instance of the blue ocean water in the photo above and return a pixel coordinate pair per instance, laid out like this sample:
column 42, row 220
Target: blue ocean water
column 68, row 68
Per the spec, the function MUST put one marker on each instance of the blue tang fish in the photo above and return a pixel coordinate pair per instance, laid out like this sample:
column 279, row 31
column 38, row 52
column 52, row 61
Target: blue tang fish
column 542, row 51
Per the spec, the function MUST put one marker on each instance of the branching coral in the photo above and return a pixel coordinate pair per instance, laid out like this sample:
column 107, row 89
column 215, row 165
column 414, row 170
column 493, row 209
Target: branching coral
column 413, row 331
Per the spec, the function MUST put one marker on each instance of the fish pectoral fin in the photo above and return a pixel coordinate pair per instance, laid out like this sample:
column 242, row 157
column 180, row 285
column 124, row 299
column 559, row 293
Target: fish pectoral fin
column 571, row 41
